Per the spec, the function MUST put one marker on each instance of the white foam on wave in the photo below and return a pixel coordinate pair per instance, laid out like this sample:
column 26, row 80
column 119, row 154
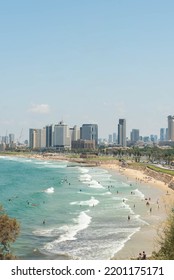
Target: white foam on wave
column 94, row 184
column 49, row 190
column 139, row 193
column 122, row 244
column 106, row 193
column 83, row 170
column 91, row 202
column 125, row 184
column 2, row 157
column 137, row 217
column 47, row 232
column 127, row 207
column 41, row 162
column 57, row 166
column 70, row 231
column 85, row 178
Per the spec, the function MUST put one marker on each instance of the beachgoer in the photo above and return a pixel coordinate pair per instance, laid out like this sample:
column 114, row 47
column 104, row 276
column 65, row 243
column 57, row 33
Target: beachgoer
column 128, row 217
column 147, row 203
column 144, row 256
column 139, row 256
column 43, row 222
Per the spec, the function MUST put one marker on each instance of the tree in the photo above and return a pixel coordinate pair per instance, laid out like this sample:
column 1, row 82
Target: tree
column 166, row 240
column 9, row 230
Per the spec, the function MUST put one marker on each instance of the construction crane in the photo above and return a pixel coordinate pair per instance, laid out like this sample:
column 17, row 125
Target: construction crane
column 19, row 138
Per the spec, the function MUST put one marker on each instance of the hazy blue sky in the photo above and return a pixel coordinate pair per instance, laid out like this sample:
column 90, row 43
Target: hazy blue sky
column 86, row 61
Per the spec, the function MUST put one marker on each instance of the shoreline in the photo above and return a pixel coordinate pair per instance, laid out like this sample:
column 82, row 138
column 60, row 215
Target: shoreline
column 146, row 238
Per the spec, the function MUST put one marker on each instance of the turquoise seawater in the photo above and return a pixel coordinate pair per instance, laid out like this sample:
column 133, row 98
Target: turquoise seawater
column 68, row 212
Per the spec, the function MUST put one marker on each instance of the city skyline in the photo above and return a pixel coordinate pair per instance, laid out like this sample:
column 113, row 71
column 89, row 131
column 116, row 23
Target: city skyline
column 93, row 62
column 120, row 137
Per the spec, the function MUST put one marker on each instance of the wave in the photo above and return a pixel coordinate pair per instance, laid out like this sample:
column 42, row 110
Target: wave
column 139, row 193
column 125, row 184
column 91, row 202
column 122, row 244
column 85, row 178
column 83, row 170
column 94, row 184
column 49, row 190
column 106, row 193
column 70, row 231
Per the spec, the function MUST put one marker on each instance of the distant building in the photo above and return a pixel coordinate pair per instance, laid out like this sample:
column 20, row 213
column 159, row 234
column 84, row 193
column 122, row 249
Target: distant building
column 5, row 139
column 61, row 136
column 114, row 138
column 75, row 133
column 110, row 139
column 122, row 132
column 162, row 134
column 83, row 144
column 2, row 147
column 37, row 138
column 146, row 139
column 11, row 138
column 171, row 128
column 166, row 134
column 134, row 135
column 49, row 135
column 154, row 138
column 89, row 132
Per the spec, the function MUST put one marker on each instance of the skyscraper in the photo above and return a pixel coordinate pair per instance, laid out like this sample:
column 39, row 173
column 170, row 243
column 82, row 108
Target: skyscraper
column 11, row 138
column 110, row 138
column 114, row 137
column 122, row 132
column 134, row 135
column 90, row 132
column 61, row 136
column 171, row 128
column 49, row 135
column 37, row 138
column 162, row 134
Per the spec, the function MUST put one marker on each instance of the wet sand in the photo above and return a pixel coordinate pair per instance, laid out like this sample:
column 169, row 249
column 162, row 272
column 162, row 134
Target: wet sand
column 155, row 214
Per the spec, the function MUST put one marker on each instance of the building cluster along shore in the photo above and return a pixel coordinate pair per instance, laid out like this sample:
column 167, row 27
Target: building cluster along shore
column 156, row 208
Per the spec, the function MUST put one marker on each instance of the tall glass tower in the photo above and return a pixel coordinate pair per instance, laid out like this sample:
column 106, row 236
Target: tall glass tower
column 122, row 132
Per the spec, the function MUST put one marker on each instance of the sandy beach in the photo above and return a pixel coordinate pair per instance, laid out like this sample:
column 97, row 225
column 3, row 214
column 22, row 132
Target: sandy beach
column 159, row 207
column 154, row 214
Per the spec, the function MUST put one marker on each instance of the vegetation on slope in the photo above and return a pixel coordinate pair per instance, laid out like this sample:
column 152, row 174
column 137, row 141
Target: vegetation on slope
column 9, row 230
column 166, row 241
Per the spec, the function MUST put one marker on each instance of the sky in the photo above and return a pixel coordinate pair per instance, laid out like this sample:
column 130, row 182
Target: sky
column 90, row 61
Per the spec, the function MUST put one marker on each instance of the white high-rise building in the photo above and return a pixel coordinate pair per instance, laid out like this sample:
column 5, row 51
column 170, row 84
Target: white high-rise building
column 75, row 133
column 37, row 138
column 61, row 136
